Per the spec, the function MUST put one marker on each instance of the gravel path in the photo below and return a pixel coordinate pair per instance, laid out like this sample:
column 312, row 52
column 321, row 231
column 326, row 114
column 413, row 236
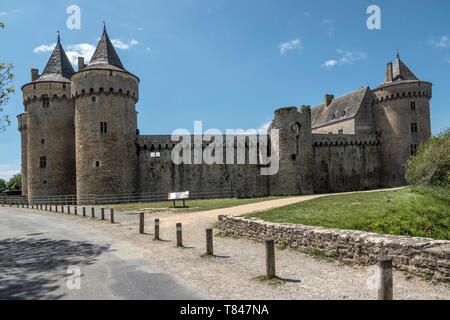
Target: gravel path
column 231, row 274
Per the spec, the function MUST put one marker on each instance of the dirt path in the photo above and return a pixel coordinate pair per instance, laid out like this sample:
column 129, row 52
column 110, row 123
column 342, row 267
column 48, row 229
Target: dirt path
column 231, row 274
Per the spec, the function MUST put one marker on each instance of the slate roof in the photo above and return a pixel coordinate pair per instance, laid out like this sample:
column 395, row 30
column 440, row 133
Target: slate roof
column 343, row 108
column 105, row 54
column 58, row 67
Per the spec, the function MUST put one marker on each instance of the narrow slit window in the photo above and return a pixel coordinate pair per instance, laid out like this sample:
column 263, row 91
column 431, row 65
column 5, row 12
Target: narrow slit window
column 413, row 106
column 45, row 102
column 103, row 127
column 43, row 162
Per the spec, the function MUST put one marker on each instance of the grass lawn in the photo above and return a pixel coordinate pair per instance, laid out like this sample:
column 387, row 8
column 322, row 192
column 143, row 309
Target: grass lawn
column 193, row 205
column 413, row 211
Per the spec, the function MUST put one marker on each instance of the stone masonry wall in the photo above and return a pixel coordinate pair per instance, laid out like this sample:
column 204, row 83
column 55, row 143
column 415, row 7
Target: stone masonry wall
column 418, row 256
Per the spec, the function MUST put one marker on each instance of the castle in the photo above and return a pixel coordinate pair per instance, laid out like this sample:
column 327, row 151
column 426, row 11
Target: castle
column 79, row 136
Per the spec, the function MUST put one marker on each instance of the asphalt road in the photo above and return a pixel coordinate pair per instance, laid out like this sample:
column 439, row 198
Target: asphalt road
column 40, row 257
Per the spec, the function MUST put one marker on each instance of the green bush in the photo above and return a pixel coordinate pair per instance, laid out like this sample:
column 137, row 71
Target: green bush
column 15, row 183
column 431, row 164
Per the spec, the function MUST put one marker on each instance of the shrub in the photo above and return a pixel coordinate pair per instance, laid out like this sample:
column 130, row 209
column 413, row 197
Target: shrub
column 431, row 164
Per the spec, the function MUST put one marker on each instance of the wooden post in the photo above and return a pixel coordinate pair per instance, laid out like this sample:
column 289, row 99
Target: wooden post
column 141, row 222
column 270, row 259
column 156, row 229
column 93, row 212
column 102, row 210
column 84, row 211
column 68, row 209
column 111, row 216
column 209, row 242
column 23, row 206
column 385, row 291
column 75, row 209
column 46, row 208
column 179, row 235
column 62, row 208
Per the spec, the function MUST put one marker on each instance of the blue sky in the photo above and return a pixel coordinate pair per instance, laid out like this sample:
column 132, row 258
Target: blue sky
column 231, row 63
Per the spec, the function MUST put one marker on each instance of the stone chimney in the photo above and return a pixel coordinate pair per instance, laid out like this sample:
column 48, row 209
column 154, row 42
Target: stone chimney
column 389, row 72
column 34, row 74
column 81, row 64
column 328, row 99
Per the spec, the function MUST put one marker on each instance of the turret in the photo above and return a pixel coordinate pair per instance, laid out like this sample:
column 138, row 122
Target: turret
column 295, row 151
column 47, row 127
column 105, row 95
column 401, row 107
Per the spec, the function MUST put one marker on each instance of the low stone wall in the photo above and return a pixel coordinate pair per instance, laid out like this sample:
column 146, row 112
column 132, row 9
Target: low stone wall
column 418, row 256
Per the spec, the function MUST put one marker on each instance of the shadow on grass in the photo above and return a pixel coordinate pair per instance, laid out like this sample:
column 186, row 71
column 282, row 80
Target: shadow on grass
column 33, row 268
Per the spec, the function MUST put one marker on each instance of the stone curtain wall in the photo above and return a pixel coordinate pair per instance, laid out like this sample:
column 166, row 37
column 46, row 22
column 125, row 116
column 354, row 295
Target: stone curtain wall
column 418, row 256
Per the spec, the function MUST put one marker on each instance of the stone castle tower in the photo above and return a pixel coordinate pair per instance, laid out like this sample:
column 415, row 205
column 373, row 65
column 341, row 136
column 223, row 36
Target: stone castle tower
column 47, row 130
column 401, row 116
column 105, row 94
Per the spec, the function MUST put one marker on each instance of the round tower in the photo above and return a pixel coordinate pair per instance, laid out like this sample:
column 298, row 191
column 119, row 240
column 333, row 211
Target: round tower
column 48, row 137
column 294, row 151
column 105, row 95
column 401, row 107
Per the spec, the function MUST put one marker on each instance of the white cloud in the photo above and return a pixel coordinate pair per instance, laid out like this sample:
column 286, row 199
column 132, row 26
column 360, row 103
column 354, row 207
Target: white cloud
column 3, row 13
column 7, row 171
column 141, row 29
column 148, row 49
column 347, row 57
column 440, row 42
column 330, row 63
column 262, row 129
column 85, row 50
column 289, row 45
column 122, row 45
column 44, row 48
column 331, row 27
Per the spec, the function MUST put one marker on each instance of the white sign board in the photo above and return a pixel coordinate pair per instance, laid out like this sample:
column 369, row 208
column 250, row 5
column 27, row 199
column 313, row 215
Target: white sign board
column 178, row 195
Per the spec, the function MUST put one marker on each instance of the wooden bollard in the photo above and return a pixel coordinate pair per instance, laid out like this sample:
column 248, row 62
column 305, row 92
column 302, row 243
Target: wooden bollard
column 28, row 205
column 102, row 210
column 385, row 290
column 141, row 223
column 62, row 208
column 156, row 229
column 68, row 209
column 56, row 208
column 84, row 211
column 23, row 206
column 270, row 259
column 209, row 242
column 93, row 212
column 111, row 215
column 75, row 210
column 46, row 208
column 179, row 235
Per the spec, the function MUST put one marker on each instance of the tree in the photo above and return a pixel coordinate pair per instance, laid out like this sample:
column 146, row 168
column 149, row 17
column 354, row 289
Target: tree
column 6, row 89
column 2, row 185
column 15, row 183
column 431, row 164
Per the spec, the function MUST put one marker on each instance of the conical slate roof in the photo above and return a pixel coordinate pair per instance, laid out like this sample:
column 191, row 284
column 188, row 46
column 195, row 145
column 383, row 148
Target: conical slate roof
column 401, row 71
column 105, row 54
column 58, row 67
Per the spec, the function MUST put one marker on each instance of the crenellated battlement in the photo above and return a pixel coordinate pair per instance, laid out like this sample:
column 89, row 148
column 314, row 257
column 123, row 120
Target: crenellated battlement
column 91, row 81
column 36, row 91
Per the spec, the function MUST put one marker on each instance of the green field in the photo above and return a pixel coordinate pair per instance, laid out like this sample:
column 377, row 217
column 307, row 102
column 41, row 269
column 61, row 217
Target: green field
column 412, row 211
column 192, row 205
